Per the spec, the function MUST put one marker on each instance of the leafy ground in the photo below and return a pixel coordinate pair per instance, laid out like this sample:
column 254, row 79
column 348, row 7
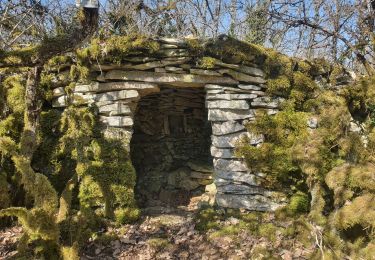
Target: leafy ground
column 8, row 241
column 181, row 235
column 170, row 233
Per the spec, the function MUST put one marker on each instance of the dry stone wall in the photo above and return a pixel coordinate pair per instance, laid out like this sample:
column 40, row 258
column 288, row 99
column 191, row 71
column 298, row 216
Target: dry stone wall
column 229, row 109
column 233, row 94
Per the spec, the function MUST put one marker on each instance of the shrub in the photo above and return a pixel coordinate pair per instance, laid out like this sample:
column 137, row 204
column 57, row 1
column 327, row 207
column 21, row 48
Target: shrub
column 299, row 203
column 15, row 93
column 158, row 243
column 207, row 62
column 279, row 86
column 206, row 219
column 275, row 156
column 127, row 215
column 268, row 230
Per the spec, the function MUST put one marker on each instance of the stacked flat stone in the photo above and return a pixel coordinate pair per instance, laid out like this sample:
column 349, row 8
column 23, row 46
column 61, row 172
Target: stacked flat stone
column 191, row 177
column 229, row 109
column 233, row 95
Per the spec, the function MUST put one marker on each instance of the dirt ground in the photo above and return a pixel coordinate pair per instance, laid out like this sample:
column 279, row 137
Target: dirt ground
column 170, row 233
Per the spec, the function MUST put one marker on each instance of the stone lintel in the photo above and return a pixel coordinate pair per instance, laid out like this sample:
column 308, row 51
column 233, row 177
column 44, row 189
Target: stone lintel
column 187, row 80
column 112, row 86
column 229, row 104
column 237, row 97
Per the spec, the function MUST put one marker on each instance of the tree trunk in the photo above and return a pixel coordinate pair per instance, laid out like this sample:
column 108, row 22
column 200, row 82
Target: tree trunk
column 29, row 139
column 233, row 18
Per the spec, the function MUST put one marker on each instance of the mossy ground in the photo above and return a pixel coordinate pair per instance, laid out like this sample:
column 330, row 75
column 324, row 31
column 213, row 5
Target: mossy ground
column 274, row 228
column 282, row 229
column 158, row 243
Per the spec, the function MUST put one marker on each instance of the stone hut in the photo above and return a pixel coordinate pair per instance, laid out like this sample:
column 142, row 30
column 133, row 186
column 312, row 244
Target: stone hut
column 181, row 123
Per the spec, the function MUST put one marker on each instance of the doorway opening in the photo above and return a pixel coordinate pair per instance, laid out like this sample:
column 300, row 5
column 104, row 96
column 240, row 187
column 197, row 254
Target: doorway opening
column 170, row 147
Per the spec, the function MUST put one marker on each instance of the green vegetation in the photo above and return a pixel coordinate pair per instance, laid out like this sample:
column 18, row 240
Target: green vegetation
column 4, row 192
column 117, row 48
column 229, row 49
column 127, row 215
column 86, row 179
column 158, row 243
column 19, row 56
column 299, row 203
column 326, row 171
column 275, row 156
column 82, row 179
column 207, row 62
column 257, row 224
